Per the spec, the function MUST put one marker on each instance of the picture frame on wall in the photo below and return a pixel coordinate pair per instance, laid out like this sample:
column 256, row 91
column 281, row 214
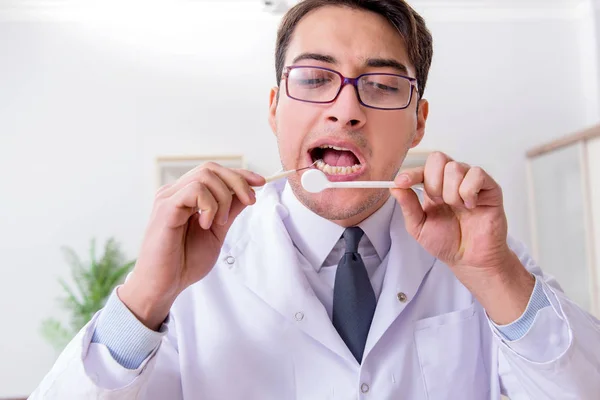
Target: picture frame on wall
column 171, row 168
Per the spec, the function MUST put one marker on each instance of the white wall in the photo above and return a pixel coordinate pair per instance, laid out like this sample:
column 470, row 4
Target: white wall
column 504, row 81
column 86, row 105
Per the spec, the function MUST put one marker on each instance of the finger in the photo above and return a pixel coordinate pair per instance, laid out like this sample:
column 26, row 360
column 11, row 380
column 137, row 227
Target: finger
column 195, row 196
column 238, row 183
column 160, row 193
column 454, row 173
column 434, row 175
column 236, row 208
column 175, row 212
column 477, row 186
column 414, row 216
column 410, row 177
column 252, row 178
column 220, row 192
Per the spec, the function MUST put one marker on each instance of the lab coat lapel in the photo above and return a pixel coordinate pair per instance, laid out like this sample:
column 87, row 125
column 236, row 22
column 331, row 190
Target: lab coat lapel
column 408, row 264
column 268, row 264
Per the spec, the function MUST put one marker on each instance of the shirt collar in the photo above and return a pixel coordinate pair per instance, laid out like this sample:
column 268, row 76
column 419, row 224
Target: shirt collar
column 315, row 236
column 377, row 227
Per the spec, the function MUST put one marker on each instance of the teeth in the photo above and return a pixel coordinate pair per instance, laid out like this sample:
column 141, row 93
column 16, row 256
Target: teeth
column 328, row 169
column 326, row 146
column 331, row 170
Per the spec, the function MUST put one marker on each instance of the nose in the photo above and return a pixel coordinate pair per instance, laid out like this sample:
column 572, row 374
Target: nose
column 346, row 111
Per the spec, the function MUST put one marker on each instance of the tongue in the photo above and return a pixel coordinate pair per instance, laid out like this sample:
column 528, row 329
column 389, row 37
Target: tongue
column 337, row 158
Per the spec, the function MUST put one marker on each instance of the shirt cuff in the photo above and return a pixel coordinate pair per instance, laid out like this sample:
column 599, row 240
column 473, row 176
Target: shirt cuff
column 516, row 330
column 128, row 340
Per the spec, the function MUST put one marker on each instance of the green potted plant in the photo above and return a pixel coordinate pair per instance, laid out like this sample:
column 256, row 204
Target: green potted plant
column 94, row 281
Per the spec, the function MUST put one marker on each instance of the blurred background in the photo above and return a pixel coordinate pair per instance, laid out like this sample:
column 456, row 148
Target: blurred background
column 101, row 101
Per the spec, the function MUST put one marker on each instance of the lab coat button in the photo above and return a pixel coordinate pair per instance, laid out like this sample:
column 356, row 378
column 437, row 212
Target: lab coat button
column 364, row 388
column 299, row 316
column 230, row 260
column 402, row 297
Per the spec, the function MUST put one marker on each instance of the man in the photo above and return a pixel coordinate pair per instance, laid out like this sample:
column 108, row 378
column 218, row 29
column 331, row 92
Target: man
column 348, row 293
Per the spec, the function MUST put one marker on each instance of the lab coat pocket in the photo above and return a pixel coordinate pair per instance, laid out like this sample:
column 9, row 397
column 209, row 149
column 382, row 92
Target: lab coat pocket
column 449, row 351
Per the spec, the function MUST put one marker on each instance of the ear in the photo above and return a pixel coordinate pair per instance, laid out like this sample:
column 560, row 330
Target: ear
column 273, row 100
column 422, row 114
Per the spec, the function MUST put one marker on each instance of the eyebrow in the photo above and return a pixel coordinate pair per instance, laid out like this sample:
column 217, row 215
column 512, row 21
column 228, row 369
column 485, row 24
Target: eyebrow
column 370, row 62
column 316, row 57
column 386, row 63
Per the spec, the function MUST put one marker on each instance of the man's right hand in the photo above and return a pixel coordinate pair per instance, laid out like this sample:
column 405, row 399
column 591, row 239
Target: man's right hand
column 180, row 245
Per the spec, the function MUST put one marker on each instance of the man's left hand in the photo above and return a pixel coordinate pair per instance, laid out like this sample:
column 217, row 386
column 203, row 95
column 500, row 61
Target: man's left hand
column 462, row 222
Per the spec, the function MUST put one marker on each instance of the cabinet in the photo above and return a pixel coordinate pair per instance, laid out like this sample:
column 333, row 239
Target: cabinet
column 564, row 199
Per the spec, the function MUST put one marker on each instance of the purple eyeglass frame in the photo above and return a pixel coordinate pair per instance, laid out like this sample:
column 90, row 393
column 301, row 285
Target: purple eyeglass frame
column 349, row 81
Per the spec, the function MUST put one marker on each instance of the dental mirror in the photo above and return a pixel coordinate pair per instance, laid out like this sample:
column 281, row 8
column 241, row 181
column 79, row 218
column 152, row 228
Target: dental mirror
column 315, row 181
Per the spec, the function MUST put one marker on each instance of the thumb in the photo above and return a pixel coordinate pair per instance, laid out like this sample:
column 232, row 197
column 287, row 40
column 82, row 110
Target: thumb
column 414, row 216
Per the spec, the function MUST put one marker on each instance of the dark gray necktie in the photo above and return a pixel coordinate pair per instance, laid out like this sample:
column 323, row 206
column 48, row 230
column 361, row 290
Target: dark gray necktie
column 353, row 297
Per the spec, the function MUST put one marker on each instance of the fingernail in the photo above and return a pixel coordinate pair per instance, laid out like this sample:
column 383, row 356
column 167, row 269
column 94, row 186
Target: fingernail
column 403, row 178
column 252, row 194
column 438, row 200
column 468, row 205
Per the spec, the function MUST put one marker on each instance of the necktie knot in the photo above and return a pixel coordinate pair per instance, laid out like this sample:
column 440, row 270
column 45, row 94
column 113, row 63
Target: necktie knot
column 352, row 237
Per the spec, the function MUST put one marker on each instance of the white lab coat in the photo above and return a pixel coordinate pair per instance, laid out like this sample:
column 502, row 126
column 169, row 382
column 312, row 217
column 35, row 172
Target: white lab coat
column 253, row 329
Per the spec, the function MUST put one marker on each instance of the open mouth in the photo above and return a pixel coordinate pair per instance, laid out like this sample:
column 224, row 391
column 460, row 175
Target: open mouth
column 336, row 160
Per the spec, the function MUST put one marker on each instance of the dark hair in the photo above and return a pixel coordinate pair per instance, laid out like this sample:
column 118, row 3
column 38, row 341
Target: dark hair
column 409, row 24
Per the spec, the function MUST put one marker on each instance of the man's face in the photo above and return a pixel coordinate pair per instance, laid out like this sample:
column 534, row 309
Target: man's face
column 352, row 42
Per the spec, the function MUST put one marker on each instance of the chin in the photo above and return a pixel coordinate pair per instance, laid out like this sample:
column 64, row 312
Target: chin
column 342, row 204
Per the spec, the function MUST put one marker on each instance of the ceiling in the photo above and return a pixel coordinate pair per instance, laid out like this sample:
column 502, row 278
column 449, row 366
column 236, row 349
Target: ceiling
column 427, row 2
column 445, row 2
column 441, row 7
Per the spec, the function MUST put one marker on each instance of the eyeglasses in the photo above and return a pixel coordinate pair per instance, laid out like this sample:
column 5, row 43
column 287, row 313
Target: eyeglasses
column 323, row 85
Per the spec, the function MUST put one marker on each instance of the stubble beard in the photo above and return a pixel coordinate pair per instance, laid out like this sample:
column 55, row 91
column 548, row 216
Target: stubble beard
column 371, row 199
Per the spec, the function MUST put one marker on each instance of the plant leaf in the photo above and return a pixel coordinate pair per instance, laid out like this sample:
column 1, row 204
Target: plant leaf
column 95, row 280
column 93, row 262
column 78, row 272
column 55, row 334
column 118, row 275
column 71, row 300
